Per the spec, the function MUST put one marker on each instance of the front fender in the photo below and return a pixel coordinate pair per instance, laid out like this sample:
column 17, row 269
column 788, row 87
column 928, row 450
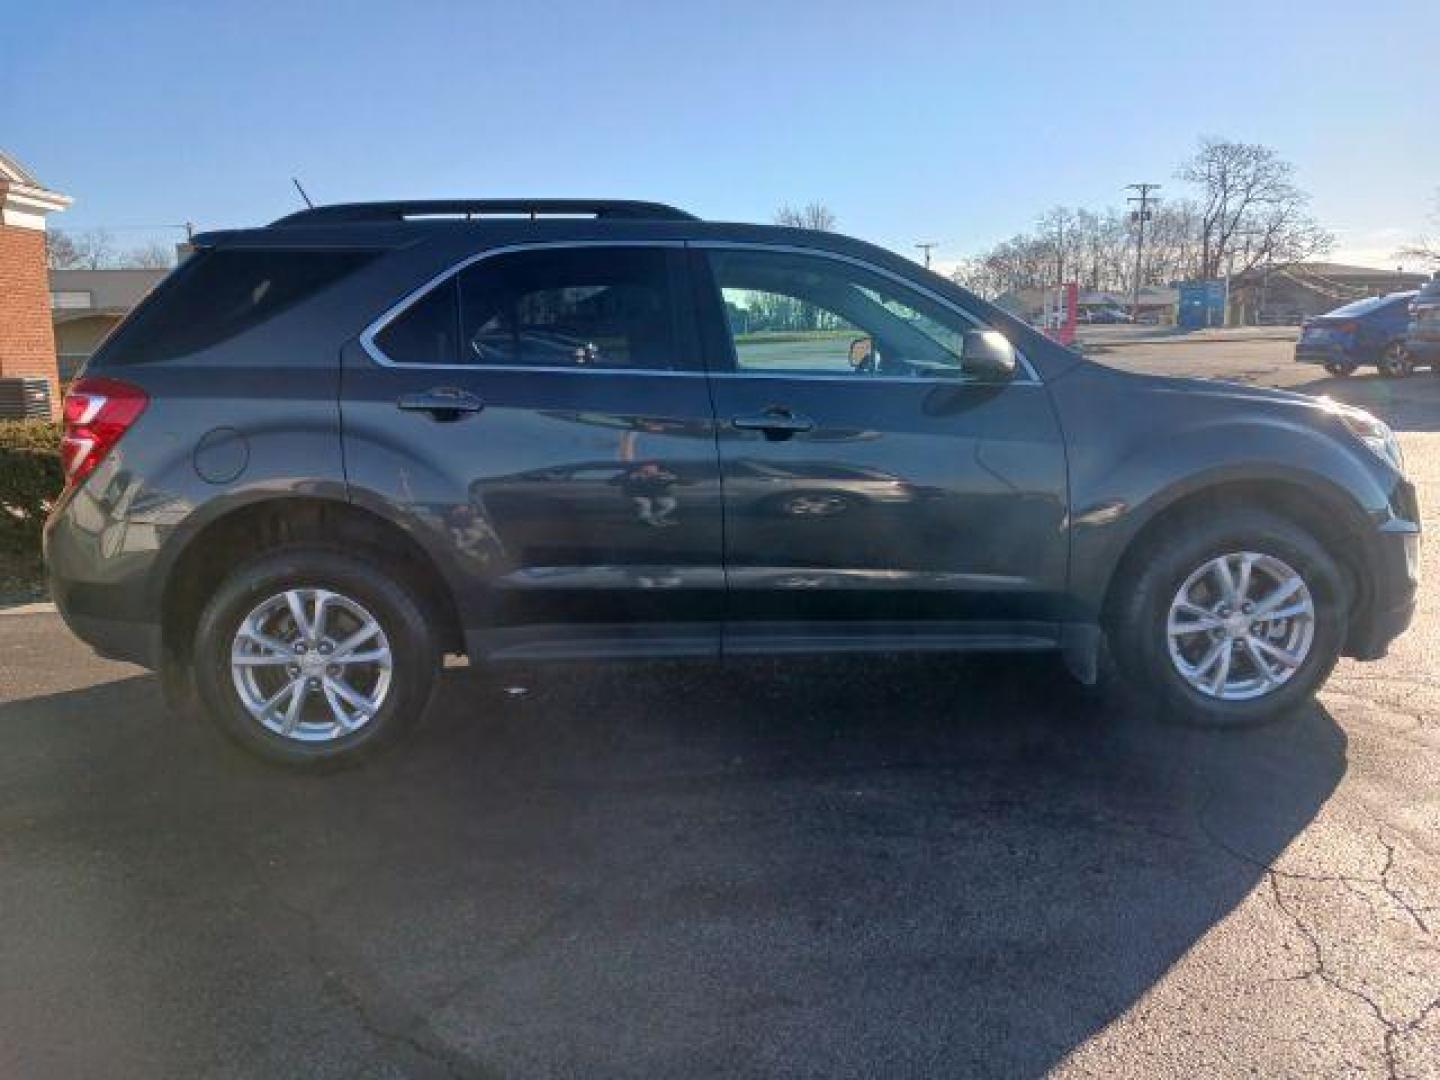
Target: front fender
column 1139, row 447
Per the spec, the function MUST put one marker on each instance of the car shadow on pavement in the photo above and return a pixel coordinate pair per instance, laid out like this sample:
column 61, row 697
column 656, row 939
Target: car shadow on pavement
column 870, row 866
column 1411, row 404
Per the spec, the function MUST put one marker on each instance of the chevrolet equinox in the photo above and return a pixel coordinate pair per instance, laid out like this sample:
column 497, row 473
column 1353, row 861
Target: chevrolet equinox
column 325, row 453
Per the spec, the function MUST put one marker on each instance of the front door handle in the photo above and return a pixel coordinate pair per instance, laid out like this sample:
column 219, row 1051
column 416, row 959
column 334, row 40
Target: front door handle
column 776, row 422
column 442, row 402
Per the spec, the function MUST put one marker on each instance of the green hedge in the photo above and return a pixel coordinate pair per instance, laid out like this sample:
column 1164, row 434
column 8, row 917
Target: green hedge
column 30, row 479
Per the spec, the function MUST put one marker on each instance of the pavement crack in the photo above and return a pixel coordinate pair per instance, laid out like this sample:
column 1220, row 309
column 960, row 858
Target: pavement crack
column 1414, row 912
column 373, row 1006
column 1350, row 882
column 1393, row 1029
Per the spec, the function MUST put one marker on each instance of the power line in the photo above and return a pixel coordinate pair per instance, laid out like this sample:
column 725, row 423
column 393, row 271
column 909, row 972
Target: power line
column 1140, row 216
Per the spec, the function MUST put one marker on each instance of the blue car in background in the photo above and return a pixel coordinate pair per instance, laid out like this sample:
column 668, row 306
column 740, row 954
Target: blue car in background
column 1370, row 331
column 1422, row 342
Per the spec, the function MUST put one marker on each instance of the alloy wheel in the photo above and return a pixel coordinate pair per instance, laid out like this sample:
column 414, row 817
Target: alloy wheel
column 1395, row 361
column 1240, row 626
column 311, row 665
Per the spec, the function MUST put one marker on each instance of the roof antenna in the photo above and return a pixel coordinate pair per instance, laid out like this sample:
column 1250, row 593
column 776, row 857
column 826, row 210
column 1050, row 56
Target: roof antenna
column 296, row 181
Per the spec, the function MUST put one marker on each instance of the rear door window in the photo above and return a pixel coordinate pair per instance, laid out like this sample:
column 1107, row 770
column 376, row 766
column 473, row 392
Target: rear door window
column 428, row 332
column 591, row 307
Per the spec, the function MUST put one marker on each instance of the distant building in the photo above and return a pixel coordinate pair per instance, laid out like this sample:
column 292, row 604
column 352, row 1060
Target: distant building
column 1157, row 303
column 27, row 342
column 85, row 305
column 1293, row 292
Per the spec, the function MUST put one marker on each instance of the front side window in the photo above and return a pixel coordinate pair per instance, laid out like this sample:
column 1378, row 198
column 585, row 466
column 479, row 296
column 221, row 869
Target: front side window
column 805, row 314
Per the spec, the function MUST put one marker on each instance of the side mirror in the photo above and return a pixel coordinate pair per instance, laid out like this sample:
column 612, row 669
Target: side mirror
column 987, row 356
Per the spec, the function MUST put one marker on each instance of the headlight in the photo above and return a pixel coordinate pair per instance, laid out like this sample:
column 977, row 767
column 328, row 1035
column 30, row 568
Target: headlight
column 1370, row 430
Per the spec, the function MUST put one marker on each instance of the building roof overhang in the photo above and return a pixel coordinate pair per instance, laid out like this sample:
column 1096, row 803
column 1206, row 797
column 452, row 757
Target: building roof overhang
column 24, row 201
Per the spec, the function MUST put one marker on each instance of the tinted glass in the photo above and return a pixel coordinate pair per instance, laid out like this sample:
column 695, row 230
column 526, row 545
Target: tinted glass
column 218, row 294
column 576, row 307
column 427, row 332
column 807, row 314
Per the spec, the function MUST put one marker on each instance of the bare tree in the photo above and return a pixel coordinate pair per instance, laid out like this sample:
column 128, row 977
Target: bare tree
column 815, row 215
column 1060, row 227
column 1095, row 248
column 1251, row 212
column 61, row 251
column 156, row 256
column 1425, row 248
column 88, row 250
column 97, row 248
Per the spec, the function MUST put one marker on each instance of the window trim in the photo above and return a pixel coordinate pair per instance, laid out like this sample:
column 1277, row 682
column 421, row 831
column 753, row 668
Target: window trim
column 367, row 336
column 1030, row 376
column 373, row 350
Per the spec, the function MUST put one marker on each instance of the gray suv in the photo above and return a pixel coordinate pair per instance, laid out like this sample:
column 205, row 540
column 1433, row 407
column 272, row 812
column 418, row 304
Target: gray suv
column 325, row 453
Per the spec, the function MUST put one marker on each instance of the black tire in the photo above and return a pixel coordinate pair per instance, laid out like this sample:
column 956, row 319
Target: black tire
column 1137, row 623
column 394, row 605
column 1340, row 371
column 1395, row 361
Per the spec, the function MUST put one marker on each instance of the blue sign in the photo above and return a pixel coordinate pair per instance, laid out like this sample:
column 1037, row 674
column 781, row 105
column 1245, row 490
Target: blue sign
column 1202, row 303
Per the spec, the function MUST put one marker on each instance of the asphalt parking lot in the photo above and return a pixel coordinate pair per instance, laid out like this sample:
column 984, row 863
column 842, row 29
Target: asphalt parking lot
column 948, row 866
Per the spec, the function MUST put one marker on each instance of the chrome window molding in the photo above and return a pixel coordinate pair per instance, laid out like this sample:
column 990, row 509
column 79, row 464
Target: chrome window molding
column 368, row 335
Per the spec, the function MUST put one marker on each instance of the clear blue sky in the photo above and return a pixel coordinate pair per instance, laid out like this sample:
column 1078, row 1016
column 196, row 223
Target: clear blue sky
column 958, row 123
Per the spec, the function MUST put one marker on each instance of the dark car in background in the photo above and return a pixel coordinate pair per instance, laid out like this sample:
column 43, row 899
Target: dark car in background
column 325, row 453
column 1105, row 316
column 1369, row 331
column 1422, row 335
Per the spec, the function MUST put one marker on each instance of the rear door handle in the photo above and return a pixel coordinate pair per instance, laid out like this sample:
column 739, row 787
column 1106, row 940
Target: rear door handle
column 776, row 422
column 442, row 402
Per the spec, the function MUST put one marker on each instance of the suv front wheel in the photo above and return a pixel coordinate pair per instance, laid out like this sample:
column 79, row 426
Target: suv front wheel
column 312, row 657
column 1232, row 619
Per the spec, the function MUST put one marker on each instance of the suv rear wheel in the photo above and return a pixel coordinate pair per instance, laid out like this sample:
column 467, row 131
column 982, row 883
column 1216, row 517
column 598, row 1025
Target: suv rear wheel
column 1395, row 361
column 1232, row 620
column 312, row 657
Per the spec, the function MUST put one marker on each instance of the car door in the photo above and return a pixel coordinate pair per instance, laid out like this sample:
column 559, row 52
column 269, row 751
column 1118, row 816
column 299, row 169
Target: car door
column 874, row 485
column 540, row 416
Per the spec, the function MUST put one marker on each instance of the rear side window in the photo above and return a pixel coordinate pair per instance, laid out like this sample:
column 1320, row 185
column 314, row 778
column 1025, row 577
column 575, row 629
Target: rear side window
column 219, row 294
column 584, row 307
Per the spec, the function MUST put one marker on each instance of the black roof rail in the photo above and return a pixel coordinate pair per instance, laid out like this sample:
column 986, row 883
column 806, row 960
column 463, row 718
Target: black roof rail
column 351, row 213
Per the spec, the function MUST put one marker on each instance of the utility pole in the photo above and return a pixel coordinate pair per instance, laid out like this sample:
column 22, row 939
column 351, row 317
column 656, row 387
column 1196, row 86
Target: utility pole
column 1140, row 216
column 925, row 247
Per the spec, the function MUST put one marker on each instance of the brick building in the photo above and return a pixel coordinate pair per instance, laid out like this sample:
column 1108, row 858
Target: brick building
column 27, row 339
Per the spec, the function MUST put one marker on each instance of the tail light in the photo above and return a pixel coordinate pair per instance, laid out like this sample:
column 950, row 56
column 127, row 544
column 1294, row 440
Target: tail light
column 98, row 411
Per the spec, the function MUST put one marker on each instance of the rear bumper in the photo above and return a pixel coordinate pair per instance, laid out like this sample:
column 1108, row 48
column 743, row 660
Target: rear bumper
column 99, row 587
column 1325, row 354
column 117, row 639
